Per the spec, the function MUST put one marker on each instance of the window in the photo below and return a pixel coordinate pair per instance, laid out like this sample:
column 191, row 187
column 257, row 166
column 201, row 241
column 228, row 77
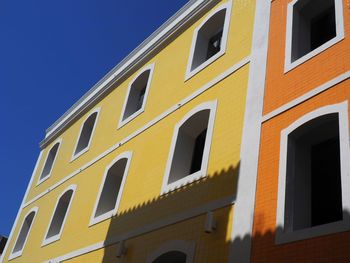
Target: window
column 171, row 257
column 312, row 26
column 209, row 40
column 23, row 233
column 312, row 173
column 86, row 133
column 174, row 251
column 50, row 159
column 190, row 147
column 59, row 216
column 111, row 189
column 137, row 95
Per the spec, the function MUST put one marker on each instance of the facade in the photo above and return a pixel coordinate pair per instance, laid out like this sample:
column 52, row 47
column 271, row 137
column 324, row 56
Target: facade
column 224, row 137
column 144, row 168
column 302, row 198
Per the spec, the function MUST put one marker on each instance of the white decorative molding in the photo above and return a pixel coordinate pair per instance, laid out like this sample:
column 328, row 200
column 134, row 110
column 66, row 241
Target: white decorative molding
column 242, row 226
column 284, row 236
column 75, row 154
column 307, row 96
column 211, row 106
column 54, row 238
column 157, row 119
column 288, row 64
column 158, row 39
column 174, row 219
column 191, row 72
column 94, row 220
column 122, row 121
column 14, row 255
column 41, row 180
column 186, row 247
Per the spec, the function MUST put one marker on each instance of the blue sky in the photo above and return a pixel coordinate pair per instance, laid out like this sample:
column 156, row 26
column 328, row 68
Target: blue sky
column 51, row 53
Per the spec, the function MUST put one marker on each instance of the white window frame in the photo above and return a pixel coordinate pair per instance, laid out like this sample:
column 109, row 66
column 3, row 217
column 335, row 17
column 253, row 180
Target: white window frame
column 57, row 237
column 142, row 109
column 186, row 247
column 19, row 253
column 41, row 180
column 283, row 236
column 211, row 106
column 78, row 154
column 94, row 220
column 339, row 19
column 190, row 73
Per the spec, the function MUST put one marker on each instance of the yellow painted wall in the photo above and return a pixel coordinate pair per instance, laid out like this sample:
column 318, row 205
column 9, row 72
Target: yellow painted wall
column 141, row 202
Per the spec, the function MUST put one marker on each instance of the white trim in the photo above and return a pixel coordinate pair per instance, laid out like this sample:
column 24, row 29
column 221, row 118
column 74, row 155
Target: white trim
column 284, row 237
column 19, row 253
column 148, row 125
column 174, row 219
column 56, row 237
column 242, row 223
column 190, row 73
column 156, row 40
column 94, row 220
column 186, row 247
column 288, row 65
column 307, row 96
column 211, row 106
column 41, row 180
column 2, row 256
column 81, row 152
column 142, row 109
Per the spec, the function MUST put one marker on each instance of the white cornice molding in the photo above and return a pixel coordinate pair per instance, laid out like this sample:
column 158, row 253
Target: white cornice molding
column 143, row 51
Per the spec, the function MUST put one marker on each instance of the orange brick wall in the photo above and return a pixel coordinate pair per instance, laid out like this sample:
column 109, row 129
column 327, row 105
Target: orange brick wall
column 280, row 89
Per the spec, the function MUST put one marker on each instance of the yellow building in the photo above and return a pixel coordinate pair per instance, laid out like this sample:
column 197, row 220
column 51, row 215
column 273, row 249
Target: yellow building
column 145, row 166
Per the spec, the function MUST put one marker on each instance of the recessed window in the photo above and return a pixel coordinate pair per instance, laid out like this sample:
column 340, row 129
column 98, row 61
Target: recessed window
column 171, row 257
column 86, row 133
column 313, row 193
column 50, row 159
column 59, row 217
column 111, row 188
column 209, row 40
column 23, row 233
column 312, row 26
column 313, row 181
column 137, row 95
column 190, row 147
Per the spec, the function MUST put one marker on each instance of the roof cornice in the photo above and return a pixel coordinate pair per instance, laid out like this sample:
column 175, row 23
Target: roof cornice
column 156, row 40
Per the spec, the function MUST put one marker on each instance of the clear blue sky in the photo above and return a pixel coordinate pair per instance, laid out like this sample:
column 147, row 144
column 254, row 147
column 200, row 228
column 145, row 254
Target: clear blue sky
column 51, row 53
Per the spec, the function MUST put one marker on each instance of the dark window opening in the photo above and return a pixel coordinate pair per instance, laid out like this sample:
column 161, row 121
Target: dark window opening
column 171, row 257
column 49, row 161
column 137, row 92
column 86, row 133
column 313, row 185
column 198, row 152
column 189, row 146
column 209, row 39
column 214, row 45
column 314, row 24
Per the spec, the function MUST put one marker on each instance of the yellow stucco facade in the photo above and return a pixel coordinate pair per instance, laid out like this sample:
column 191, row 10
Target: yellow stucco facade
column 146, row 218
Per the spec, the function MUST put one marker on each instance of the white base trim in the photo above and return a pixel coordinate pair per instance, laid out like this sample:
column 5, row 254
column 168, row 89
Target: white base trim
column 201, row 210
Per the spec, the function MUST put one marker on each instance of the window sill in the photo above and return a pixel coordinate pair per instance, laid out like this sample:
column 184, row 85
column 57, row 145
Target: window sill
column 183, row 182
column 291, row 65
column 101, row 218
column 130, row 118
column 76, row 156
column 191, row 73
column 307, row 233
column 51, row 240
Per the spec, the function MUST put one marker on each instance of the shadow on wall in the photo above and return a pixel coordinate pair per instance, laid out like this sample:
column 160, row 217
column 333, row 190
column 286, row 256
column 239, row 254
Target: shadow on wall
column 145, row 227
column 180, row 214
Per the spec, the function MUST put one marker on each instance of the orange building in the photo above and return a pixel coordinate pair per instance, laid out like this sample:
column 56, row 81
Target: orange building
column 302, row 206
